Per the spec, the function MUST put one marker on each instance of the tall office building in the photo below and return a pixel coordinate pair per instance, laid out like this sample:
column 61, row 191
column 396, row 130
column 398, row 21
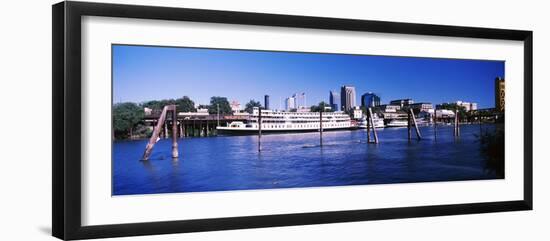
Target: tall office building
column 370, row 100
column 347, row 97
column 290, row 103
column 499, row 94
column 266, row 102
column 334, row 100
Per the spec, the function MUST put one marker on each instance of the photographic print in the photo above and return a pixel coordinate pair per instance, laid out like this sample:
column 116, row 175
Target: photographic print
column 202, row 119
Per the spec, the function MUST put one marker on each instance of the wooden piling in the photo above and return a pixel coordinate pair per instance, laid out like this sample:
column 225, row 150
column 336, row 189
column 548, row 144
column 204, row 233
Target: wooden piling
column 456, row 127
column 321, row 128
column 418, row 136
column 193, row 129
column 175, row 153
column 259, row 129
column 373, row 126
column 435, row 124
column 409, row 126
column 457, row 124
column 368, row 127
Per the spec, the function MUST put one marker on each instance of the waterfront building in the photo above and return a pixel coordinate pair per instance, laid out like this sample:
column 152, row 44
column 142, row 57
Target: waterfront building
column 357, row 113
column 402, row 102
column 499, row 94
column 347, row 97
column 290, row 103
column 390, row 108
column 148, row 111
column 303, row 109
column 467, row 105
column 399, row 114
column 266, row 102
column 422, row 107
column 370, row 100
column 444, row 113
column 235, row 106
column 334, row 100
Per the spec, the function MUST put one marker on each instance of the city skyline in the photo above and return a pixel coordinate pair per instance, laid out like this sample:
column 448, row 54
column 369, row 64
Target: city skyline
column 142, row 73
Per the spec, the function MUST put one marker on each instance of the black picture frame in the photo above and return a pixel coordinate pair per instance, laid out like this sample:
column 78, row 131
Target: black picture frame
column 66, row 127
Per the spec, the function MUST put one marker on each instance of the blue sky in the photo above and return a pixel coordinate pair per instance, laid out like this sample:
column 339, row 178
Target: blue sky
column 142, row 73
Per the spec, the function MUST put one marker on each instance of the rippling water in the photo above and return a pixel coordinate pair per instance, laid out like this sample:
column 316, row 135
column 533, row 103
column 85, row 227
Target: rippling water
column 296, row 160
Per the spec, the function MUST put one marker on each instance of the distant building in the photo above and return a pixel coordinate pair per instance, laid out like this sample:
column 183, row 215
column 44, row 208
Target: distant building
column 390, row 108
column 290, row 103
column 395, row 115
column 357, row 112
column 402, row 102
column 499, row 94
column 467, row 105
column 444, row 114
column 334, row 100
column 235, row 106
column 347, row 97
column 303, row 109
column 370, row 100
column 266, row 102
column 148, row 111
column 422, row 107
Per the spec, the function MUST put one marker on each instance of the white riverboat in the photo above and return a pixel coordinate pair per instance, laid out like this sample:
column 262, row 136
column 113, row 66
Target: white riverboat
column 378, row 122
column 397, row 123
column 283, row 121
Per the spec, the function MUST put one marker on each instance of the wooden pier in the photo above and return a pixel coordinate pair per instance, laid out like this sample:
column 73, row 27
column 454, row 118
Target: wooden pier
column 195, row 125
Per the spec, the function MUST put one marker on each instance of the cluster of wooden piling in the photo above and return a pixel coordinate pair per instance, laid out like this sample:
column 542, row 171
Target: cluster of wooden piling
column 156, row 132
column 188, row 128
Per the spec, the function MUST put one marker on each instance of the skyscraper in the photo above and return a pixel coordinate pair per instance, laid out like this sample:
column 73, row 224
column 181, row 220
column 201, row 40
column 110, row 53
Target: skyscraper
column 266, row 102
column 290, row 103
column 370, row 99
column 347, row 97
column 334, row 99
column 499, row 94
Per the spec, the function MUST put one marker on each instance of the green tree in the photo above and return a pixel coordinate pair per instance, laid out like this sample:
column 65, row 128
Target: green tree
column 185, row 104
column 152, row 104
column 223, row 104
column 320, row 107
column 158, row 104
column 251, row 104
column 125, row 118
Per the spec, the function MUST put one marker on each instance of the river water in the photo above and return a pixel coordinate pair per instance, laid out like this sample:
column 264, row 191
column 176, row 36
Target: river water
column 296, row 160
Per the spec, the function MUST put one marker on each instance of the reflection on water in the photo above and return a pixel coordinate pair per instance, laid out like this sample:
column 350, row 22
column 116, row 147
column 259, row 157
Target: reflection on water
column 297, row 160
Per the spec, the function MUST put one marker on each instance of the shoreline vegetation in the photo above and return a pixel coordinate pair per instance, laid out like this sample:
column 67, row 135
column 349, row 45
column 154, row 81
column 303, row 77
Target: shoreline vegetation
column 128, row 116
column 492, row 147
